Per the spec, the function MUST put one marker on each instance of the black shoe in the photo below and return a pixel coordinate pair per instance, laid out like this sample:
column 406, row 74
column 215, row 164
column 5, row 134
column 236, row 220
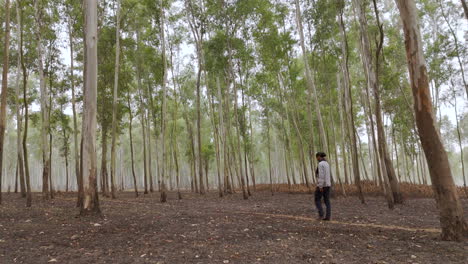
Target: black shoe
column 326, row 219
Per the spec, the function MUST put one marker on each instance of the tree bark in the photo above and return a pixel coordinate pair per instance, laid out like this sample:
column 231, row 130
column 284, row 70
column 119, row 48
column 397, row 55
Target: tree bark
column 372, row 77
column 104, row 172
column 6, row 49
column 198, row 32
column 227, row 184
column 114, row 101
column 26, row 117
column 19, row 118
column 44, row 104
column 459, row 137
column 131, row 143
column 79, row 180
column 452, row 220
column 216, row 140
column 88, row 136
column 163, row 110
column 465, row 8
column 237, row 120
column 348, row 104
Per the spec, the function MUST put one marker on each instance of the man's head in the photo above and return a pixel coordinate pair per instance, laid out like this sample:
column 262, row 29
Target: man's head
column 320, row 156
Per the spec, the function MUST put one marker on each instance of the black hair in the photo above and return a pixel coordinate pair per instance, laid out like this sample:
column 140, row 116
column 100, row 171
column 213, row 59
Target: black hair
column 320, row 154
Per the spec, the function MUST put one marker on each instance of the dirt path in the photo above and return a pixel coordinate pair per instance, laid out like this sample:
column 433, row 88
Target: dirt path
column 264, row 229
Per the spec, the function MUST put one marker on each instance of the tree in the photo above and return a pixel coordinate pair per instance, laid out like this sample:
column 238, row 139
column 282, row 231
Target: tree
column 19, row 118
column 465, row 8
column 197, row 25
column 114, row 101
column 88, row 138
column 452, row 220
column 372, row 77
column 349, row 123
column 70, row 10
column 6, row 58
column 38, row 15
column 26, row 106
column 163, row 113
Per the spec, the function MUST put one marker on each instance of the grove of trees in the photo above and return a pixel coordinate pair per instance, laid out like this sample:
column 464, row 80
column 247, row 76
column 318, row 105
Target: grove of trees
column 155, row 96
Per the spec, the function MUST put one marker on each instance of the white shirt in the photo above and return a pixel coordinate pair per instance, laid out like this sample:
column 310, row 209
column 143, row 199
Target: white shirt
column 324, row 179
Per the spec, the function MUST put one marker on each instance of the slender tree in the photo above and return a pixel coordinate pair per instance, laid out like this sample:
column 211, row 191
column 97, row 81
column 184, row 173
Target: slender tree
column 163, row 113
column 6, row 49
column 348, row 105
column 114, row 101
column 130, row 123
column 76, row 147
column 19, row 118
column 38, row 16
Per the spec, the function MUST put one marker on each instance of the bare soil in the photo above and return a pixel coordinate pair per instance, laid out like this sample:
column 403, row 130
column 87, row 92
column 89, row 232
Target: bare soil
column 208, row 229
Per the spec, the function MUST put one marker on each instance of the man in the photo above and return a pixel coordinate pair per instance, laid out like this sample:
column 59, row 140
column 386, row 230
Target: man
column 323, row 175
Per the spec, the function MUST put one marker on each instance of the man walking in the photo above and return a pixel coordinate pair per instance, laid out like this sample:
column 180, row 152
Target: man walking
column 323, row 175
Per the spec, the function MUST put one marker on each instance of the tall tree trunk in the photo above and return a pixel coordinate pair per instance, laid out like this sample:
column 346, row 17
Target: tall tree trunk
column 163, row 110
column 104, row 172
column 344, row 135
column 337, row 168
column 19, row 118
column 51, row 185
column 216, row 139
column 150, row 153
column 199, row 142
column 392, row 178
column 66, row 161
column 49, row 113
column 465, row 8
column 227, row 183
column 188, row 125
column 114, row 101
column 26, row 118
column 44, row 105
column 131, row 143
column 198, row 33
column 372, row 77
column 460, row 144
column 79, row 180
column 452, row 220
column 6, row 49
column 244, row 138
column 237, row 120
column 88, row 135
column 145, row 148
column 142, row 113
column 348, row 103
column 270, row 173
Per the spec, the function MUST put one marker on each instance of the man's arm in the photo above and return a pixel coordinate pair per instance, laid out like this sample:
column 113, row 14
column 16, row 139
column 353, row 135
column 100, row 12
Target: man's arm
column 328, row 175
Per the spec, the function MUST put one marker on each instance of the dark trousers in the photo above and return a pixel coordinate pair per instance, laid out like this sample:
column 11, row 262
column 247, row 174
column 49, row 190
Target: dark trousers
column 325, row 193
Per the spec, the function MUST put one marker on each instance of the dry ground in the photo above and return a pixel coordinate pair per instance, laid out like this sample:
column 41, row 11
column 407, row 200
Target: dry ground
column 264, row 229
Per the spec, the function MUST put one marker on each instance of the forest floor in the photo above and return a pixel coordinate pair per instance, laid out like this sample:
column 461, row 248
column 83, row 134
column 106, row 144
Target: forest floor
column 208, row 229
